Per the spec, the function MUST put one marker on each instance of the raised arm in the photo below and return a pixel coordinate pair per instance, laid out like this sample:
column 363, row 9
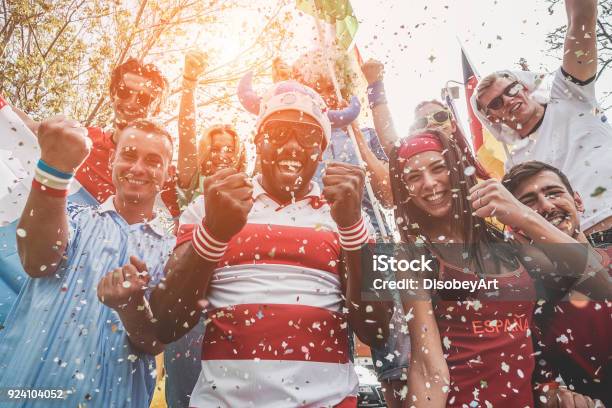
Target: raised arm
column 195, row 63
column 383, row 122
column 580, row 49
column 42, row 232
column 343, row 190
column 378, row 170
column 176, row 301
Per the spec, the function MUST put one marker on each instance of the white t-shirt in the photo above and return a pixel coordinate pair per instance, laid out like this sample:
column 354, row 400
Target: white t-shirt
column 574, row 138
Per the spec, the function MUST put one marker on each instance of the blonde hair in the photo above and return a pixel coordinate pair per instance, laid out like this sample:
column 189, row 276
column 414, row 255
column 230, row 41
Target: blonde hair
column 489, row 80
column 205, row 144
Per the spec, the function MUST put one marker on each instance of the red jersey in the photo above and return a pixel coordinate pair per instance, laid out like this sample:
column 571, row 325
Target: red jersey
column 95, row 174
column 487, row 343
column 574, row 338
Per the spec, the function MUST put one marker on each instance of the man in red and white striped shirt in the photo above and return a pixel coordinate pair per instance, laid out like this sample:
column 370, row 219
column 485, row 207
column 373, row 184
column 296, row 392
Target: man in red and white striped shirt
column 279, row 263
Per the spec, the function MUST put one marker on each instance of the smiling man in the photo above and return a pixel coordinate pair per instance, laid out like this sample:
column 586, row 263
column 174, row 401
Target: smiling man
column 279, row 264
column 584, row 361
column 569, row 132
column 82, row 324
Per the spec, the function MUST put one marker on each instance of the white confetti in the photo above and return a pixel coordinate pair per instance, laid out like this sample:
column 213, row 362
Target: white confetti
column 469, row 171
column 447, row 343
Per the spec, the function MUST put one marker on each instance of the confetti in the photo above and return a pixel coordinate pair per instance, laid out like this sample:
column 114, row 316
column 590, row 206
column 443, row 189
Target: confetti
column 598, row 191
column 469, row 171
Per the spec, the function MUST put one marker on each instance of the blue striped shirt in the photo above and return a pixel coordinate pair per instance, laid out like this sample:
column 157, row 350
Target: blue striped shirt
column 59, row 335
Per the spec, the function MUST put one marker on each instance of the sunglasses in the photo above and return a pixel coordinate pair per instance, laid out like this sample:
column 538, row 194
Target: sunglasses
column 143, row 99
column 511, row 91
column 278, row 132
column 437, row 118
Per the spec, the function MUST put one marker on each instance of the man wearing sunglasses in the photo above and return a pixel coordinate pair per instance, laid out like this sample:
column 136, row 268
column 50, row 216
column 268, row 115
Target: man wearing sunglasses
column 569, row 132
column 136, row 92
column 278, row 261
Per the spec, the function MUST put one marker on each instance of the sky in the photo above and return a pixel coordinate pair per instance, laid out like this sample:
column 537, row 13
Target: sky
column 418, row 41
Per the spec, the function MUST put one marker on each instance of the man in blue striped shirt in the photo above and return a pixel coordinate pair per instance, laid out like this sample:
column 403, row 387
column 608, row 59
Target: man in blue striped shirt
column 82, row 322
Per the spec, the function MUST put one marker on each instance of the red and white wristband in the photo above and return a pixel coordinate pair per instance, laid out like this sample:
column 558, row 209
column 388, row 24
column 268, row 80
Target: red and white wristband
column 206, row 246
column 354, row 237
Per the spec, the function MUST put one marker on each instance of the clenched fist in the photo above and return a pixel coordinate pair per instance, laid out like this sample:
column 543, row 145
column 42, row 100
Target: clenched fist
column 343, row 189
column 373, row 70
column 228, row 199
column 64, row 143
column 124, row 287
column 195, row 64
column 490, row 198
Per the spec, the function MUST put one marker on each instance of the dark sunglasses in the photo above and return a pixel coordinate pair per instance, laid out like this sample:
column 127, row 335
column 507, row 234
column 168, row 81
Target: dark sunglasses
column 278, row 133
column 511, row 91
column 143, row 99
column 437, row 118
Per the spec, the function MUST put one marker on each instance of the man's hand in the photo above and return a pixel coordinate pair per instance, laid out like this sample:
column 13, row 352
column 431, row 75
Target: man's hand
column 373, row 70
column 490, row 198
column 228, row 199
column 280, row 70
column 64, row 144
column 343, row 189
column 564, row 398
column 124, row 288
column 195, row 64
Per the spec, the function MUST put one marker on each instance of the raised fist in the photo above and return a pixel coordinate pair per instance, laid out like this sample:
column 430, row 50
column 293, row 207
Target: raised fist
column 343, row 189
column 280, row 70
column 228, row 199
column 124, row 287
column 64, row 143
column 373, row 70
column 195, row 64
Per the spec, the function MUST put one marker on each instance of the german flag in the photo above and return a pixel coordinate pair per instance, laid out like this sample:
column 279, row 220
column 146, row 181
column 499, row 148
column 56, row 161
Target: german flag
column 489, row 151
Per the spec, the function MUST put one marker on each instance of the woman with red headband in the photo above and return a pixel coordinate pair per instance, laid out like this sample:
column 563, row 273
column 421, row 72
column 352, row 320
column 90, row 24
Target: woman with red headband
column 469, row 348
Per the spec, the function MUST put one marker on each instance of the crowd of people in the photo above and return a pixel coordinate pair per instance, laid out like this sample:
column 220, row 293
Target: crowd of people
column 252, row 284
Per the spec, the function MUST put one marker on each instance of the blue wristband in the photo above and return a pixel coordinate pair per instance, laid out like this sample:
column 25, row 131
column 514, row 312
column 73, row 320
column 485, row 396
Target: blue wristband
column 53, row 171
column 376, row 94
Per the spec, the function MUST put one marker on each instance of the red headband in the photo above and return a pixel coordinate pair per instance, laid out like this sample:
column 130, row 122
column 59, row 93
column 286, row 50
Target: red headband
column 419, row 143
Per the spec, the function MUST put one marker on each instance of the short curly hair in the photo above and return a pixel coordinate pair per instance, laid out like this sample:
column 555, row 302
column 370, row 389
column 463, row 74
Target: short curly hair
column 135, row 66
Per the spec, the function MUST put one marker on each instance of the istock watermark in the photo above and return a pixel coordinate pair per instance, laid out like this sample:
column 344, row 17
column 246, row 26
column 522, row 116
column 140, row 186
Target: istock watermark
column 450, row 271
column 386, row 263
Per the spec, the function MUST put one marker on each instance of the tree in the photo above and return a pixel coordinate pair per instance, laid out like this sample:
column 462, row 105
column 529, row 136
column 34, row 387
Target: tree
column 556, row 38
column 56, row 56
